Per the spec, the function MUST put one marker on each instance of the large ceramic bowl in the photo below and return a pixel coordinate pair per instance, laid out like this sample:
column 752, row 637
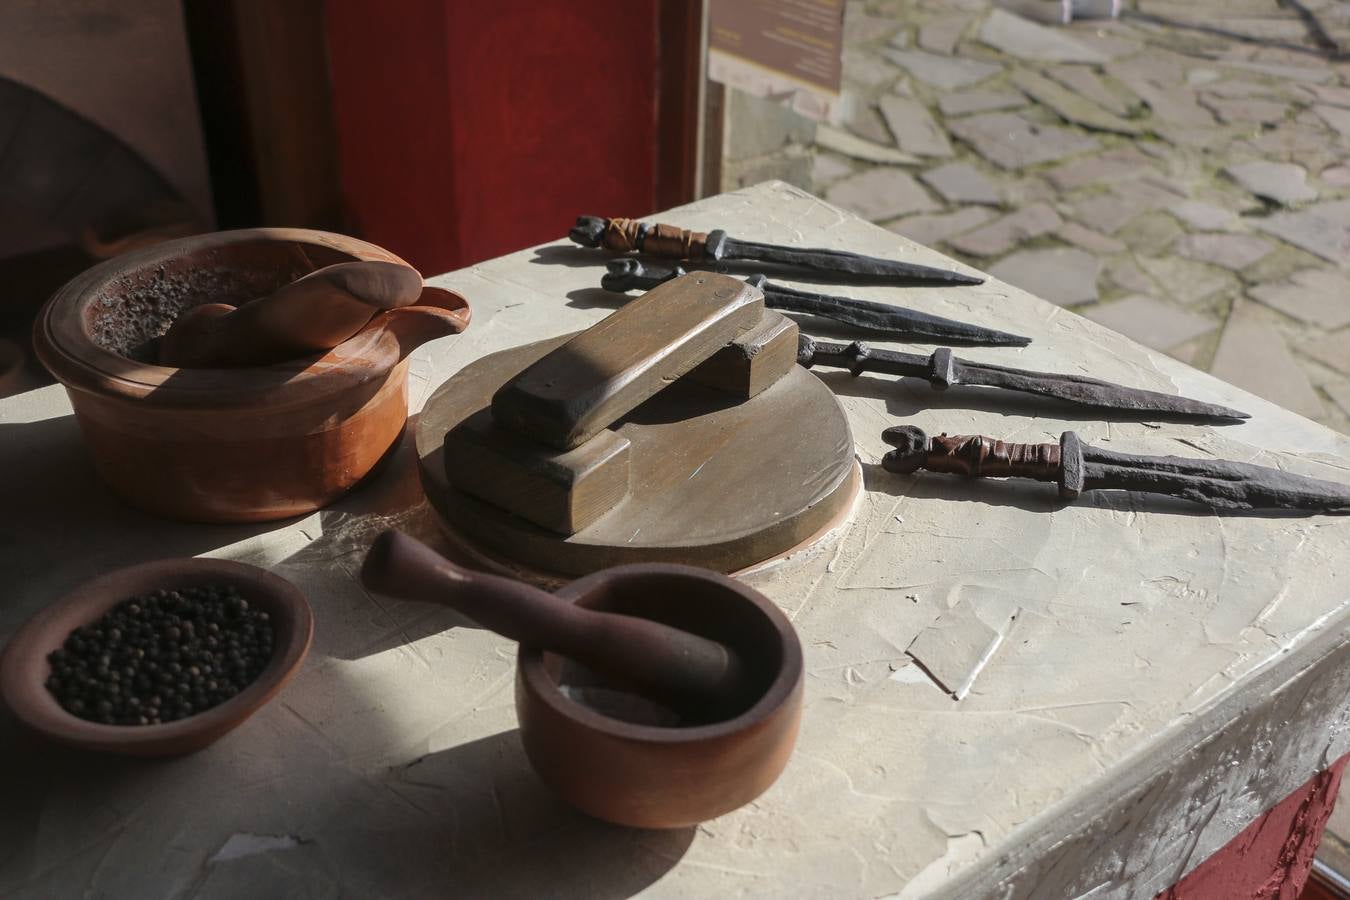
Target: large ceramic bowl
column 665, row 775
column 24, row 668
column 230, row 445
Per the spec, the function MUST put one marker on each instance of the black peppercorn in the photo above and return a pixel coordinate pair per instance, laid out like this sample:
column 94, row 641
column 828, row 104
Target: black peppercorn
column 162, row 656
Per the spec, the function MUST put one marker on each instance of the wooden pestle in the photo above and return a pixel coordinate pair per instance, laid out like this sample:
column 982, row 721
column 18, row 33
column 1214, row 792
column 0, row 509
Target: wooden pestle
column 310, row 315
column 683, row 671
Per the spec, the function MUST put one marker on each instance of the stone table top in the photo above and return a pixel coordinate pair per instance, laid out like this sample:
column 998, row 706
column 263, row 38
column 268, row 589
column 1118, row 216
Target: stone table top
column 1133, row 679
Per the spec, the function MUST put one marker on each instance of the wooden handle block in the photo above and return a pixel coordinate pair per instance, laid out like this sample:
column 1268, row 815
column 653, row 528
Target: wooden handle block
column 601, row 374
column 561, row 490
column 754, row 360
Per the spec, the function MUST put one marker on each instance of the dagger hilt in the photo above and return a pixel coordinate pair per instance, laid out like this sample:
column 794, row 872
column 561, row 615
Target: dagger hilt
column 623, row 275
column 858, row 358
column 629, row 235
column 977, row 456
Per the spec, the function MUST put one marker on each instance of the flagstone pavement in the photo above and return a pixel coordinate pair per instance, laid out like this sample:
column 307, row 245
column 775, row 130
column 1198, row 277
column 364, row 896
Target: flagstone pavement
column 1181, row 175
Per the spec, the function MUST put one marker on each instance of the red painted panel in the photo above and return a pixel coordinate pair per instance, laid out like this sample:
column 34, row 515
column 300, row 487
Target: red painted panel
column 470, row 129
column 388, row 67
column 1271, row 858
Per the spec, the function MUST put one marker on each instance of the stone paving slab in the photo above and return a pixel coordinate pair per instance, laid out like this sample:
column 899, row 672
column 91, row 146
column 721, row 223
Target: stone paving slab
column 1340, row 395
column 1336, row 117
column 1333, row 95
column 1316, row 296
column 1089, row 240
column 1253, row 355
column 1203, row 216
column 881, row 194
column 962, row 183
column 1063, row 275
column 841, row 141
column 1013, row 142
column 866, row 122
column 1187, row 281
column 1110, row 166
column 945, row 72
column 1015, row 228
column 1231, row 251
column 1206, row 177
column 1152, row 322
column 1282, row 182
column 1029, row 40
column 941, row 35
column 914, row 128
column 1323, row 229
column 1071, row 106
column 1084, row 80
column 1336, row 176
column 1245, row 110
column 1110, row 211
column 966, row 102
column 934, row 229
column 1332, row 350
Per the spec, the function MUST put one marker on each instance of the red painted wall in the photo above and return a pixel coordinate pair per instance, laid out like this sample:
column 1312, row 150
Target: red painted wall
column 1271, row 858
column 470, row 129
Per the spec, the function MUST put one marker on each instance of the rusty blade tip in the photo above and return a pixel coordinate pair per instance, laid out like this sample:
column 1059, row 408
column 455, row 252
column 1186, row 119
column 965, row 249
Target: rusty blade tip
column 961, row 278
column 1227, row 414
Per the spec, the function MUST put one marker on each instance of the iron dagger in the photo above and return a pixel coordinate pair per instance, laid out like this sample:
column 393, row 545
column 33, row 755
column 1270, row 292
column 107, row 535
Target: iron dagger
column 628, row 235
column 1076, row 467
column 942, row 370
column 626, row 274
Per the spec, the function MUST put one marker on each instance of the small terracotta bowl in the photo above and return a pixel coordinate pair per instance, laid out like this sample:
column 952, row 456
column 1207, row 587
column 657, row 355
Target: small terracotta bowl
column 658, row 776
column 24, row 668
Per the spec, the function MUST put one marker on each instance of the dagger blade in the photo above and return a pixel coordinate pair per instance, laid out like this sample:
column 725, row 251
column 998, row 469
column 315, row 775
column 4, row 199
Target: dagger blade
column 837, row 261
column 626, row 274
column 671, row 241
column 1218, row 483
column 943, row 370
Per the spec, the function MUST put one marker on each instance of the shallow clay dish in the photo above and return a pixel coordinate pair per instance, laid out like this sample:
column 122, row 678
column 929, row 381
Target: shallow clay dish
column 231, row 445
column 24, row 668
column 660, row 776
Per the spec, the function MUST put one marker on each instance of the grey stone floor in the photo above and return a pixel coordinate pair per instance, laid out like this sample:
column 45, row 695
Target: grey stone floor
column 1181, row 175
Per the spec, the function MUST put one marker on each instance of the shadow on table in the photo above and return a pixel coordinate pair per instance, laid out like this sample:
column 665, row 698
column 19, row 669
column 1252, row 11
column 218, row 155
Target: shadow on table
column 818, row 327
column 597, row 298
column 1030, row 496
column 330, row 563
column 574, row 257
column 61, row 525
column 299, row 801
column 508, row 835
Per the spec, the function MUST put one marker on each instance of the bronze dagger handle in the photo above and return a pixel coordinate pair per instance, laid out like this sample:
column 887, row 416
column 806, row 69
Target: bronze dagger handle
column 977, row 456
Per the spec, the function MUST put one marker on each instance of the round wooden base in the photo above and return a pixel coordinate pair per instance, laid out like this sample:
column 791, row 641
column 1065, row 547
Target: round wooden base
column 714, row 483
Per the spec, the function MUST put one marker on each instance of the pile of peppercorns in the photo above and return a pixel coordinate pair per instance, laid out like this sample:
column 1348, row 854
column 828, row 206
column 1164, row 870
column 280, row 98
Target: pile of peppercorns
column 162, row 656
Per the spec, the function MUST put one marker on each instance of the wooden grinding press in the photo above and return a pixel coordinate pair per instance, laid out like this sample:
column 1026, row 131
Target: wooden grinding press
column 677, row 429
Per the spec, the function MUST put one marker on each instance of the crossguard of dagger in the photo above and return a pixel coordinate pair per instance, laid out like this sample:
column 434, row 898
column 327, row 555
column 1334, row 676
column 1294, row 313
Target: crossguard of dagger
column 977, row 456
column 628, row 235
column 623, row 275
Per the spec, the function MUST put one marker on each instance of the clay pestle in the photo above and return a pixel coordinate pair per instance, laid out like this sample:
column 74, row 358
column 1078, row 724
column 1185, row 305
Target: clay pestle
column 310, row 315
column 687, row 673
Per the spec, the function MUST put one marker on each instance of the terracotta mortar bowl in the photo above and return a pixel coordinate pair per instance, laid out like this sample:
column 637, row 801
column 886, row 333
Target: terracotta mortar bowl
column 231, row 445
column 664, row 775
column 24, row 668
